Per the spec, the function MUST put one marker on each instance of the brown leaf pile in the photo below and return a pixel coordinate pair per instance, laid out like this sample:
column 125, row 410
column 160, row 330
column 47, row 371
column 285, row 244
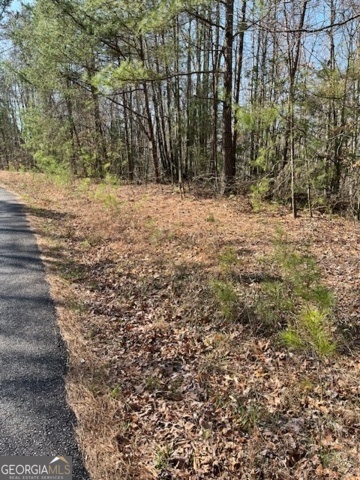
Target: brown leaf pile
column 163, row 387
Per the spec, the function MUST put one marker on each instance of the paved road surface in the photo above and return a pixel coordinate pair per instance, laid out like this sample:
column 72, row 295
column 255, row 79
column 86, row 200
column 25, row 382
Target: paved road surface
column 34, row 417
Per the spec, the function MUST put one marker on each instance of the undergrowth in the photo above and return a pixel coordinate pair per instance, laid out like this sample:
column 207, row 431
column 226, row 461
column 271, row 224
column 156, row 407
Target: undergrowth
column 291, row 302
column 184, row 345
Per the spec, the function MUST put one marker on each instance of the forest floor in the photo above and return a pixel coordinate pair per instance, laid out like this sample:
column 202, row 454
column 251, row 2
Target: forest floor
column 165, row 381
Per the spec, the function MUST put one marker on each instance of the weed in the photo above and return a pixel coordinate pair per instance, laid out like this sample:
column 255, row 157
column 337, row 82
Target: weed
column 115, row 392
column 176, row 384
column 162, row 457
column 301, row 273
column 299, row 301
column 319, row 295
column 258, row 194
column 274, row 304
column 112, row 180
column 62, row 178
column 108, row 199
column 311, row 332
column 47, row 229
column 85, row 245
column 83, row 185
column 207, row 434
column 140, row 204
column 152, row 384
column 111, row 202
column 57, row 173
column 213, row 363
column 69, row 232
column 159, row 235
column 94, row 240
column 220, row 401
column 327, row 458
column 306, row 384
column 249, row 416
column 76, row 305
column 174, row 389
column 91, row 333
column 217, row 339
column 228, row 259
column 70, row 273
column 291, row 339
column 227, row 298
column 210, row 218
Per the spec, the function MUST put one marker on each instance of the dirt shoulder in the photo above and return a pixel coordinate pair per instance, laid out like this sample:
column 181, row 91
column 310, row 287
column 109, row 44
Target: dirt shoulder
column 164, row 386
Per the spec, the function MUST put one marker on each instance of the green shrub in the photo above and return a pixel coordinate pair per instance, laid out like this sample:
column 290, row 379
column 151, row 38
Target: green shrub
column 226, row 297
column 298, row 302
column 83, row 185
column 103, row 193
column 311, row 332
column 228, row 259
column 258, row 193
column 274, row 304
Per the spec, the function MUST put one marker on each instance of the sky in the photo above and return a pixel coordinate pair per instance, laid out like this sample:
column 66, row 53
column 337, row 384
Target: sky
column 16, row 4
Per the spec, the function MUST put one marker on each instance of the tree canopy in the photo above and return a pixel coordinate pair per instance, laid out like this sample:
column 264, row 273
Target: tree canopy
column 261, row 96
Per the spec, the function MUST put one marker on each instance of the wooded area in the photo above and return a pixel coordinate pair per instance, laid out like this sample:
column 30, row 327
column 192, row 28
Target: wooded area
column 261, row 96
column 208, row 336
column 205, row 340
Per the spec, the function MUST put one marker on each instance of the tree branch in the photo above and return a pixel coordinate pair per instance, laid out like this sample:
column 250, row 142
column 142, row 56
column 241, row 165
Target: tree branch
column 307, row 30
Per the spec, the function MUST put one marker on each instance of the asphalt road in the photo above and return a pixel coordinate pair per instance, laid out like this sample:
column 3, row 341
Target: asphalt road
column 34, row 416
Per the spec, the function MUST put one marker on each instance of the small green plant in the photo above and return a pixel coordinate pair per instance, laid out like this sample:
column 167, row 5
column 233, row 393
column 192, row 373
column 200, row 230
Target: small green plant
column 226, row 297
column 249, row 415
column 111, row 179
column 207, row 434
column 228, row 259
column 157, row 236
column 298, row 302
column 152, row 384
column 311, row 331
column 274, row 304
column 56, row 171
column 319, row 295
column 94, row 240
column 108, row 199
column 115, row 392
column 111, row 202
column 292, row 339
column 302, row 276
column 327, row 458
column 76, row 305
column 70, row 273
column 83, row 185
column 174, row 386
column 210, row 218
column 258, row 194
column 162, row 457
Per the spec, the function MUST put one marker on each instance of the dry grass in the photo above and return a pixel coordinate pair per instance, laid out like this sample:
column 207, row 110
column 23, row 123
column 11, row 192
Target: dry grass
column 162, row 386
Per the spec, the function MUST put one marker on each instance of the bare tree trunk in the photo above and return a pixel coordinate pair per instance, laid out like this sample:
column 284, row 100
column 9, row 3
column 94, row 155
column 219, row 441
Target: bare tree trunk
column 129, row 153
column 229, row 165
column 152, row 136
column 293, row 63
column 238, row 70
